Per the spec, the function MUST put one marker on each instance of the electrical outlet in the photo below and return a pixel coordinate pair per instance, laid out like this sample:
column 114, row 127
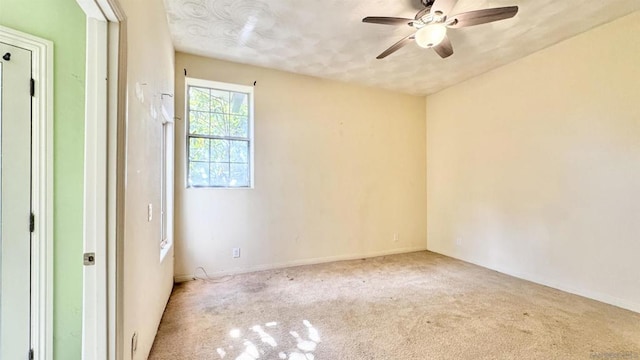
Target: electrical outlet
column 396, row 237
column 150, row 212
column 459, row 241
column 236, row 253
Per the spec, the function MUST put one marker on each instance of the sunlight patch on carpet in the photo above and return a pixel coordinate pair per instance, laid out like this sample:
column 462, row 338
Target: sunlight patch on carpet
column 260, row 341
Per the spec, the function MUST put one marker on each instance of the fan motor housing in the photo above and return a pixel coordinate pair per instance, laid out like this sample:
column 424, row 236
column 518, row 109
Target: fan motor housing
column 427, row 3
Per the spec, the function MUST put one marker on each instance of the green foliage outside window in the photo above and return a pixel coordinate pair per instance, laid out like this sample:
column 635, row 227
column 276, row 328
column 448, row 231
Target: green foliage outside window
column 219, row 142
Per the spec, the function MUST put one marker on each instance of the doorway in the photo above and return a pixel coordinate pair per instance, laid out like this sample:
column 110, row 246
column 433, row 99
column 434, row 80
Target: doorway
column 26, row 196
column 16, row 223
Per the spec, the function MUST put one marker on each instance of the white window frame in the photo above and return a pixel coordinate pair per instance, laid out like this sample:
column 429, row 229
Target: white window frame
column 224, row 87
column 166, row 199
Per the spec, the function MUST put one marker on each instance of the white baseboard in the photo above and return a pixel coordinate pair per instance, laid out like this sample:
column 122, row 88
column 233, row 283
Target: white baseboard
column 594, row 295
column 311, row 261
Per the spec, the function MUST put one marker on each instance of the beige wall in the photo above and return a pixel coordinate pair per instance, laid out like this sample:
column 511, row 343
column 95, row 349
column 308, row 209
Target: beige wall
column 147, row 280
column 338, row 170
column 534, row 168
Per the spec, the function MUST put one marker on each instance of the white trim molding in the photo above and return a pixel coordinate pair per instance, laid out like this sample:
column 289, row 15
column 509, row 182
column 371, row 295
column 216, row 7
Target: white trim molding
column 102, row 283
column 94, row 315
column 303, row 262
column 42, row 189
column 542, row 280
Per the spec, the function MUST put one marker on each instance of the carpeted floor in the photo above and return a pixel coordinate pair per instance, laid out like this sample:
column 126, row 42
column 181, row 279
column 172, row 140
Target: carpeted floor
column 411, row 306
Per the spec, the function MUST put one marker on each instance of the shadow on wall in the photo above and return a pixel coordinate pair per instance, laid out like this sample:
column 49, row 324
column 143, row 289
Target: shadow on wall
column 258, row 342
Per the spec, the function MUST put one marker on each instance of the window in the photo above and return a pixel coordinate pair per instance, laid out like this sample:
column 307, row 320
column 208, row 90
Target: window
column 166, row 199
column 220, row 135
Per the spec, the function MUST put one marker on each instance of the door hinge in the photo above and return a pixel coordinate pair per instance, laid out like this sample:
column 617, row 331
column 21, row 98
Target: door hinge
column 30, row 354
column 32, row 223
column 33, row 87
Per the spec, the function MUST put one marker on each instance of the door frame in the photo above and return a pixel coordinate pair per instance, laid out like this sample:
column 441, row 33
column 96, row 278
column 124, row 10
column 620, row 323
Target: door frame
column 105, row 105
column 41, row 188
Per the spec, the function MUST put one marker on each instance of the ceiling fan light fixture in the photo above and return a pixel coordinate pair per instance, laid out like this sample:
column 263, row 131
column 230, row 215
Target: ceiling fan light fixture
column 431, row 35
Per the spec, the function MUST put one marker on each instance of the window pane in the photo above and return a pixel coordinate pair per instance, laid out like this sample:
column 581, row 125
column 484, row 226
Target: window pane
column 239, row 175
column 239, row 104
column 199, row 149
column 240, row 152
column 219, row 174
column 219, row 101
column 198, row 174
column 239, row 126
column 198, row 99
column 219, row 124
column 218, row 143
column 198, row 123
column 220, row 150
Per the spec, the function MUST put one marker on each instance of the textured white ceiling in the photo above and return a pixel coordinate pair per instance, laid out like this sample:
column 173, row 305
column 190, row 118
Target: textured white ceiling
column 326, row 38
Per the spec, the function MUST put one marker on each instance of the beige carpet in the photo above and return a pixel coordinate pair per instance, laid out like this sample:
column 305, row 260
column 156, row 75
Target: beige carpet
column 412, row 306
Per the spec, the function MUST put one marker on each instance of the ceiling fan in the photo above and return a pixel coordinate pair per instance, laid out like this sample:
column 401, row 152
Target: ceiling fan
column 431, row 24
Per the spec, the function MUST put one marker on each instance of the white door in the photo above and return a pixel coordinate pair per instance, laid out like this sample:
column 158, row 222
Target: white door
column 15, row 196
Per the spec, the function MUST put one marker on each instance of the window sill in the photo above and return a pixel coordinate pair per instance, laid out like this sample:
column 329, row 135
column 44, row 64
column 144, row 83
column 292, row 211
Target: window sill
column 164, row 250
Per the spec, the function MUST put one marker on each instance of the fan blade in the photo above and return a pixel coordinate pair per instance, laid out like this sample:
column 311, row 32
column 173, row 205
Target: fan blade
column 395, row 47
column 444, row 49
column 483, row 16
column 387, row 20
column 443, row 6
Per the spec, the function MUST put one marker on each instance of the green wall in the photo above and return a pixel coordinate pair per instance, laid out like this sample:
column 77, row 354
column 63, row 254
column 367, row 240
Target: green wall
column 63, row 22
